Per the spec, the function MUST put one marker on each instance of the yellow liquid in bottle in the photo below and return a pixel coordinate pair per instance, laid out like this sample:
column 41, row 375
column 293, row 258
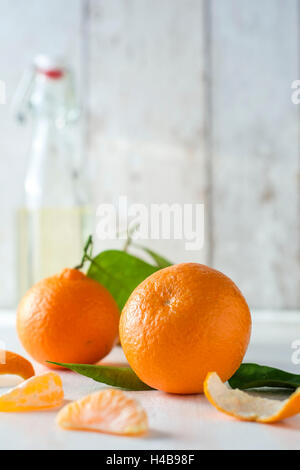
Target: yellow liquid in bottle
column 49, row 240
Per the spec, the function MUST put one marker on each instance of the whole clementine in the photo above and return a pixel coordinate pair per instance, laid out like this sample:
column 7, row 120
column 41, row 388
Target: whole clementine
column 68, row 318
column 183, row 322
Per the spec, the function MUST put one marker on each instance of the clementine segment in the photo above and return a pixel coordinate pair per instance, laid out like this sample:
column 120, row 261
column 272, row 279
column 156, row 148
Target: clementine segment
column 16, row 365
column 68, row 318
column 108, row 411
column 37, row 393
column 182, row 322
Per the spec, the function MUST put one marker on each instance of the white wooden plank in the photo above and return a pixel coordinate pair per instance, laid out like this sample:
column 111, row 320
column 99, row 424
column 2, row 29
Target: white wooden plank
column 255, row 148
column 147, row 104
column 27, row 28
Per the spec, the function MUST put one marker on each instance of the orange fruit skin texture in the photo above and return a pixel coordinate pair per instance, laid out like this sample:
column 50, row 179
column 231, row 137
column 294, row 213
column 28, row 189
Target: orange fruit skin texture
column 16, row 365
column 68, row 318
column 183, row 322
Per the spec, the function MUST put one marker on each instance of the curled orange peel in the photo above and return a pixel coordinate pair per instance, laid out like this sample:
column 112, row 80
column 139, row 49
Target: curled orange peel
column 246, row 407
column 108, row 411
column 14, row 364
column 40, row 392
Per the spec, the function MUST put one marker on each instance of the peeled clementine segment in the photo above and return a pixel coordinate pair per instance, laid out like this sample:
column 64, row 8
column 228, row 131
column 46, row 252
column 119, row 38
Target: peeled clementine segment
column 108, row 411
column 246, row 407
column 40, row 392
column 14, row 364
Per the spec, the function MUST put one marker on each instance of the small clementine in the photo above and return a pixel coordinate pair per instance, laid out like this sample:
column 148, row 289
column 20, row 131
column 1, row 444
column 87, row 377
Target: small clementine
column 68, row 318
column 183, row 322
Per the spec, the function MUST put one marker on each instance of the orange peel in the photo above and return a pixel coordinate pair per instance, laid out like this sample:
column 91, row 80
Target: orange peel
column 16, row 365
column 40, row 392
column 107, row 411
column 246, row 407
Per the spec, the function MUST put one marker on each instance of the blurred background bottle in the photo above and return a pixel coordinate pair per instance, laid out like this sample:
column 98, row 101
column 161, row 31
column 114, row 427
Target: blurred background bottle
column 55, row 219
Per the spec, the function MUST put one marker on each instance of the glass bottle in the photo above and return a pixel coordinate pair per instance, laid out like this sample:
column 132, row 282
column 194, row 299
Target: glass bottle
column 55, row 220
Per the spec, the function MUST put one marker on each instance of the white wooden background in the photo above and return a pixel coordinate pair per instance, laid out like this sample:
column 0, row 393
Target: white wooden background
column 185, row 101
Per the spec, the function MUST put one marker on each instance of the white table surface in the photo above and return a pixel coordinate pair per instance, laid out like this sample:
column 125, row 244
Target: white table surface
column 176, row 422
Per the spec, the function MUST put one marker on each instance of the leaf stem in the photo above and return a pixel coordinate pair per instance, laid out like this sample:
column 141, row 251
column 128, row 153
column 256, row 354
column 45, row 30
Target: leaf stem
column 130, row 232
column 107, row 273
column 86, row 256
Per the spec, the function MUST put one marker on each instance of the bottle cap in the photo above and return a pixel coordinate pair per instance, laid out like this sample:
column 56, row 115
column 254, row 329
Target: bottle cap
column 52, row 67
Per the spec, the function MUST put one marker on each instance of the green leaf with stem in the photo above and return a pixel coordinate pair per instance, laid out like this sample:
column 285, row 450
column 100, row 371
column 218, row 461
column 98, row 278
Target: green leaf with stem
column 121, row 377
column 256, row 376
column 159, row 260
column 120, row 273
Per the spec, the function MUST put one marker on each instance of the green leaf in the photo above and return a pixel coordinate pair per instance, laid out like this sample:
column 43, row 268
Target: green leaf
column 121, row 377
column 256, row 376
column 120, row 273
column 160, row 261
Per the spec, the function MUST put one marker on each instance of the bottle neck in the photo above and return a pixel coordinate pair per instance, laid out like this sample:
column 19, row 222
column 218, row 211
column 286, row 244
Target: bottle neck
column 50, row 178
column 54, row 100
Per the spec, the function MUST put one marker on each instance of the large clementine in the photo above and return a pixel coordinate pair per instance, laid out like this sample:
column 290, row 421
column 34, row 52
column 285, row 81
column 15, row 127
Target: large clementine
column 183, row 322
column 68, row 318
